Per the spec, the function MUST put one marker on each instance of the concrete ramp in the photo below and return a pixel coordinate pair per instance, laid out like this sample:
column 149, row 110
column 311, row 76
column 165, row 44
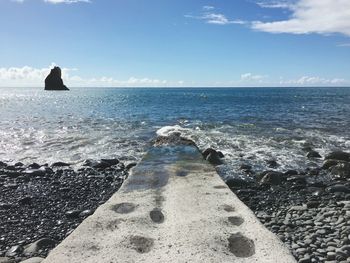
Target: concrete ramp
column 174, row 207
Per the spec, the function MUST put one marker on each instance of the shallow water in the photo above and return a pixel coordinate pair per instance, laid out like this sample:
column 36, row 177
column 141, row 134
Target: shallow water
column 249, row 125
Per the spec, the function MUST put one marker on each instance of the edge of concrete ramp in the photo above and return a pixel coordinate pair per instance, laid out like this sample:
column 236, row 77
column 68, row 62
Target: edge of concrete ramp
column 174, row 207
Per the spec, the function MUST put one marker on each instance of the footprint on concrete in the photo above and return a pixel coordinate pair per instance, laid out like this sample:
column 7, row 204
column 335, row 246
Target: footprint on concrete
column 220, row 187
column 228, row 208
column 236, row 220
column 123, row 208
column 157, row 216
column 141, row 244
column 241, row 246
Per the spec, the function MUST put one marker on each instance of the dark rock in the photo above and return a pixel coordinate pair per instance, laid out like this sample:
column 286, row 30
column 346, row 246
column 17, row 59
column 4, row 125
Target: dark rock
column 5, row 206
column 338, row 188
column 245, row 167
column 34, row 166
column 130, row 165
column 14, row 251
column 341, row 170
column 35, row 172
column 208, row 151
column 2, row 164
column 27, row 200
column 272, row 178
column 291, row 172
column 338, row 155
column 40, row 244
column 110, row 161
column 54, row 80
column 86, row 213
column 220, row 154
column 272, row 163
column 313, row 154
column 297, row 179
column 72, row 214
column 60, row 164
column 214, row 159
column 329, row 163
column 236, row 183
column 19, row 164
column 312, row 204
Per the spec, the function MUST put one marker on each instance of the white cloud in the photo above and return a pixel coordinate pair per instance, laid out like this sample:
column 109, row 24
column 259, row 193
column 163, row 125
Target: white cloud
column 314, row 81
column 215, row 18
column 310, row 16
column 211, row 17
column 208, row 7
column 28, row 77
column 252, row 77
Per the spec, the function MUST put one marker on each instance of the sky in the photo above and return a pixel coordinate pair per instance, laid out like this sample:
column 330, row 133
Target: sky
column 178, row 43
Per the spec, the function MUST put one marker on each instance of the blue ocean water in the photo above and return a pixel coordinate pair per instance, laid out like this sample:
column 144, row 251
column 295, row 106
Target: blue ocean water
column 250, row 125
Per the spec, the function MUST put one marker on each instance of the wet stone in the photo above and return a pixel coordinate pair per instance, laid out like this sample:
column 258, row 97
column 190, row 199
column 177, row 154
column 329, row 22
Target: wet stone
column 157, row 216
column 123, row 208
column 241, row 246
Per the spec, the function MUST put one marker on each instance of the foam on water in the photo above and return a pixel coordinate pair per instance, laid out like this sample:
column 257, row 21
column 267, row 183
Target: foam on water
column 247, row 125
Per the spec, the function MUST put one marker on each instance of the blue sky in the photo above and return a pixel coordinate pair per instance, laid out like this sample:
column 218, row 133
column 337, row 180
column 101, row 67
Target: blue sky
column 176, row 43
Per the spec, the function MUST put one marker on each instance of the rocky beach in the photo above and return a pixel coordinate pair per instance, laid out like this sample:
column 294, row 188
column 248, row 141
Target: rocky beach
column 40, row 205
column 309, row 210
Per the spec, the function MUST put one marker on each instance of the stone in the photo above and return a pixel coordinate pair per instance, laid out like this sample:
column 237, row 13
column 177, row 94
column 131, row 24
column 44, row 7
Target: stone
column 338, row 188
column 33, row 260
column 341, row 170
column 338, row 155
column 272, row 178
column 54, row 80
column 236, row 182
column 313, row 154
column 35, row 172
column 40, row 244
column 214, row 159
column 27, row 200
column 6, row 260
column 72, row 213
column 14, row 251
column 329, row 163
column 130, row 165
column 272, row 163
column 60, row 164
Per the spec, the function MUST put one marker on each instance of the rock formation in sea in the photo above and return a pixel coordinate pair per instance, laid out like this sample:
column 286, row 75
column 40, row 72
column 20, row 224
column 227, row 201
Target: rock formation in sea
column 54, row 80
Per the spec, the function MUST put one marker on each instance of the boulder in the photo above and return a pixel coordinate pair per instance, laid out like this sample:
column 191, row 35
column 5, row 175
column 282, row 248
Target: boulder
column 338, row 188
column 54, row 80
column 313, row 154
column 40, row 244
column 341, row 170
column 33, row 260
column 272, row 178
column 214, row 159
column 14, row 251
column 329, row 163
column 338, row 155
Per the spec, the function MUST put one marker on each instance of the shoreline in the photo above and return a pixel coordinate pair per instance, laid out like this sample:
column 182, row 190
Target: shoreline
column 308, row 210
column 41, row 205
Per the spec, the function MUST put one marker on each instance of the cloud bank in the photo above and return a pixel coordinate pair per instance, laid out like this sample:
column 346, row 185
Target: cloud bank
column 34, row 77
column 309, row 16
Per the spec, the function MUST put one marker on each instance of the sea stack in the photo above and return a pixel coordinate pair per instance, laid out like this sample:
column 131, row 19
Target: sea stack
column 54, row 80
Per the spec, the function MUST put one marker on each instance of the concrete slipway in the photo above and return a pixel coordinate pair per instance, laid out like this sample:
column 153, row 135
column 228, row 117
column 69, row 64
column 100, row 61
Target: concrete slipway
column 174, row 207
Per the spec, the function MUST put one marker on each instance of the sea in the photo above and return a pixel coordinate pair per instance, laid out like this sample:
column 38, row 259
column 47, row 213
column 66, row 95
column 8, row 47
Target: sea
column 249, row 125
